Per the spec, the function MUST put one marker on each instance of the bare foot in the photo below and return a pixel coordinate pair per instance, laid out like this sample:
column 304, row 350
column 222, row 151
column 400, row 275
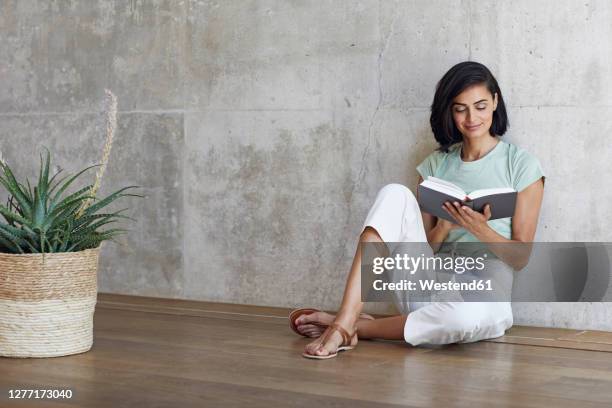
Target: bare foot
column 314, row 324
column 324, row 347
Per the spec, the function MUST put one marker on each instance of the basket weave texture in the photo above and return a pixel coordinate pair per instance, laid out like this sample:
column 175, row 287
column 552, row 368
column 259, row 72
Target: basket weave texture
column 47, row 303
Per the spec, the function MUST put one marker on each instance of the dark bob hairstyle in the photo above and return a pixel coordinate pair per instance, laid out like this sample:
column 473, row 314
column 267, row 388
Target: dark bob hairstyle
column 455, row 81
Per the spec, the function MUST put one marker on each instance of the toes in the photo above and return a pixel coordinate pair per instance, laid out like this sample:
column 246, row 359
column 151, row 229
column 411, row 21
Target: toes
column 314, row 317
column 310, row 330
column 317, row 318
column 306, row 318
column 311, row 347
column 312, row 333
column 319, row 349
column 322, row 351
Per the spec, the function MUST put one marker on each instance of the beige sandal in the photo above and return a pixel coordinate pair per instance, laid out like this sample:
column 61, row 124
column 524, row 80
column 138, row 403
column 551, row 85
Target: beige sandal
column 345, row 345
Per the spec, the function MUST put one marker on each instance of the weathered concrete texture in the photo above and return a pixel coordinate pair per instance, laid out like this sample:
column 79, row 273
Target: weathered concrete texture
column 281, row 55
column 246, row 248
column 148, row 153
column 57, row 56
column 570, row 144
column 414, row 35
column 547, row 53
column 280, row 120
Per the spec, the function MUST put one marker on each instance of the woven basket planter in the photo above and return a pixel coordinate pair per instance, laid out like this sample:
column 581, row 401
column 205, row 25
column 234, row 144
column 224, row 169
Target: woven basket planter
column 47, row 303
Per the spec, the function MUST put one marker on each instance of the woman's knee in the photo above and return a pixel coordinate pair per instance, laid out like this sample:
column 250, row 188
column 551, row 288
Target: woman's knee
column 398, row 193
column 395, row 190
column 393, row 213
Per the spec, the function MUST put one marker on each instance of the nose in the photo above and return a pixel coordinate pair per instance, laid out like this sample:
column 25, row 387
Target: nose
column 468, row 115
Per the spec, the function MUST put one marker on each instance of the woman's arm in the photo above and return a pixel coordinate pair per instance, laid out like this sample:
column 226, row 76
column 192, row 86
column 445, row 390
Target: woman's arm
column 436, row 229
column 524, row 223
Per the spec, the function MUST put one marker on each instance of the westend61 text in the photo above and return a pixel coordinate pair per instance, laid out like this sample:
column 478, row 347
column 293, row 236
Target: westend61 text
column 432, row 285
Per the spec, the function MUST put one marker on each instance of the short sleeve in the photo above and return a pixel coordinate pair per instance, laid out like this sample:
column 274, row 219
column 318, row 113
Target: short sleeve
column 526, row 170
column 430, row 164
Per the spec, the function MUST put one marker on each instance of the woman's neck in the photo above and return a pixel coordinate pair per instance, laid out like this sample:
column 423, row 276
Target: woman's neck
column 474, row 149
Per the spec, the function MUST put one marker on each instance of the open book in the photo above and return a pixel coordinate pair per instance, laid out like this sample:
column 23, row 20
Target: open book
column 434, row 192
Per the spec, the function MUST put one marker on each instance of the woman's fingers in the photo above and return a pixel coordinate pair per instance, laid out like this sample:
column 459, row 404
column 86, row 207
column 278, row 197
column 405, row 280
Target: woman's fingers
column 476, row 216
column 449, row 209
column 466, row 217
column 459, row 216
column 452, row 210
column 487, row 211
column 467, row 213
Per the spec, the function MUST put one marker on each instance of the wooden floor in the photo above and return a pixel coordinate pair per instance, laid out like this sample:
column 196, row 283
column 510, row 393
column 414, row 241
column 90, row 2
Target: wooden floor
column 167, row 353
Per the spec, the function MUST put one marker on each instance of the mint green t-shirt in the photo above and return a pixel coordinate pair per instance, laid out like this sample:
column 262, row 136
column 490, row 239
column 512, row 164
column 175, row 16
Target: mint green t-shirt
column 505, row 166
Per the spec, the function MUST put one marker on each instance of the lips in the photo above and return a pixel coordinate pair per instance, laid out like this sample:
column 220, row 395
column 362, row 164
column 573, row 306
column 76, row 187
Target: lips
column 473, row 127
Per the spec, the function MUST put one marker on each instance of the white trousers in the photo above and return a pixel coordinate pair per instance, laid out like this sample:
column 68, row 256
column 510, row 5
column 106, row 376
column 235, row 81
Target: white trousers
column 396, row 217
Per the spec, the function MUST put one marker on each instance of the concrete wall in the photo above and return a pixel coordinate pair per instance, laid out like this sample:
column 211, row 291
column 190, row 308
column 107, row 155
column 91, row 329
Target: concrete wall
column 262, row 130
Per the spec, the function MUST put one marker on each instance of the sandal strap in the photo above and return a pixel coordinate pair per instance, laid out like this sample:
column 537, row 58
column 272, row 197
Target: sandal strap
column 346, row 337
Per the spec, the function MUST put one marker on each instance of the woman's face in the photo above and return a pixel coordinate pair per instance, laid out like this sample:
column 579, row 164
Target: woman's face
column 473, row 111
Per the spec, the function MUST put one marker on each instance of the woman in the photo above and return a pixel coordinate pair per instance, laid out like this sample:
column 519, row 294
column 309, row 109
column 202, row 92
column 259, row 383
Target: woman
column 468, row 117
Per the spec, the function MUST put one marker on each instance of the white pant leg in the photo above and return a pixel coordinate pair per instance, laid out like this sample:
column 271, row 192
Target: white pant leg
column 457, row 322
column 396, row 217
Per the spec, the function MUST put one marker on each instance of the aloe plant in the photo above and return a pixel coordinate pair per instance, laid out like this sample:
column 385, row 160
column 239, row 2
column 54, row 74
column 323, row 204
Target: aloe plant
column 48, row 218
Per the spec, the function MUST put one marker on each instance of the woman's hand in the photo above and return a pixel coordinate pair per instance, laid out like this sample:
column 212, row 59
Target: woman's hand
column 471, row 220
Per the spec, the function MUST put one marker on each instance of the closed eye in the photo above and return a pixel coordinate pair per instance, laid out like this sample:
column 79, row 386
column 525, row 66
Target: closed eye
column 459, row 110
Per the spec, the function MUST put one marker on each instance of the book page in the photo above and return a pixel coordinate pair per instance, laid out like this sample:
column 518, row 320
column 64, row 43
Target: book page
column 489, row 191
column 445, row 187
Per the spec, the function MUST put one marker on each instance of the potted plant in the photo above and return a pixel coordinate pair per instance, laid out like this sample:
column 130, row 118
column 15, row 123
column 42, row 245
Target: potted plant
column 50, row 237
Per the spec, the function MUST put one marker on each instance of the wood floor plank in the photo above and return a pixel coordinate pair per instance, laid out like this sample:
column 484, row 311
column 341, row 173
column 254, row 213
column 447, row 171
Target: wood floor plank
column 589, row 336
column 170, row 353
column 533, row 336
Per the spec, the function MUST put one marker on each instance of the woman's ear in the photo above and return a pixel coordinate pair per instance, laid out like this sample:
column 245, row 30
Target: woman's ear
column 494, row 101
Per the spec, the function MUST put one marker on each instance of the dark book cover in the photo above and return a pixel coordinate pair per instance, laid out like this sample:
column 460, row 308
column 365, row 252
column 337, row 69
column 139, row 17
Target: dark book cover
column 502, row 204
